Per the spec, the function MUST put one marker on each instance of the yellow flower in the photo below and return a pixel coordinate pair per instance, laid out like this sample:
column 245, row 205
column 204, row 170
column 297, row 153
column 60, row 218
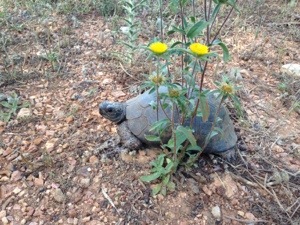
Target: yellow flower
column 199, row 49
column 227, row 88
column 173, row 93
column 158, row 48
column 158, row 80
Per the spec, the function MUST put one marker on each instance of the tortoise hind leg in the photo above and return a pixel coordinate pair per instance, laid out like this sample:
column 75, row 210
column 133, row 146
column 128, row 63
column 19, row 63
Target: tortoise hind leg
column 229, row 155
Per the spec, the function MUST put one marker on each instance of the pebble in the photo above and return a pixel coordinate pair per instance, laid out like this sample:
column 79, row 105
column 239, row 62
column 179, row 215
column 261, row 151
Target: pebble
column 216, row 212
column 107, row 81
column 58, row 195
column 2, row 213
column 94, row 159
column 86, row 219
column 4, row 220
column 30, row 210
column 291, row 69
column 206, row 190
column 72, row 213
column 38, row 182
column 16, row 175
column 241, row 213
column 85, row 182
column 50, row 144
column 250, row 216
column 17, row 190
column 24, row 112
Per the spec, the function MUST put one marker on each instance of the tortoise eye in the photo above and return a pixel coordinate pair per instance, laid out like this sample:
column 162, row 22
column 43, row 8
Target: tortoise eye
column 109, row 109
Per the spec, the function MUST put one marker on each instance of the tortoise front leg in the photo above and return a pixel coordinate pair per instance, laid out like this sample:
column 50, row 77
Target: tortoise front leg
column 127, row 138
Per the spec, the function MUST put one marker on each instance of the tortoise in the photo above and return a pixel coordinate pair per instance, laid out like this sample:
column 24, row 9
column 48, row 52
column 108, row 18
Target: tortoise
column 135, row 117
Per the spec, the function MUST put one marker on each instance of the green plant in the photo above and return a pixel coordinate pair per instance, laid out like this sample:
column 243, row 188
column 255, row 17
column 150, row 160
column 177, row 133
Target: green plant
column 11, row 106
column 53, row 58
column 131, row 30
column 189, row 98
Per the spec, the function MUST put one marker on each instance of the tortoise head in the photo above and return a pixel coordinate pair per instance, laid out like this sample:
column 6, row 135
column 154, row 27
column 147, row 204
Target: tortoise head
column 114, row 111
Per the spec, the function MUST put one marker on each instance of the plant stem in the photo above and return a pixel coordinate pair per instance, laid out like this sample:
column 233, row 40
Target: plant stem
column 219, row 30
column 207, row 139
column 173, row 131
column 183, row 40
column 161, row 21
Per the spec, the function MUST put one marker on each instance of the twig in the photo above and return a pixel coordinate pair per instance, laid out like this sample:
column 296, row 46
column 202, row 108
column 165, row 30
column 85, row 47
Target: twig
column 284, row 23
column 247, row 221
column 295, row 210
column 109, row 200
column 245, row 181
column 127, row 72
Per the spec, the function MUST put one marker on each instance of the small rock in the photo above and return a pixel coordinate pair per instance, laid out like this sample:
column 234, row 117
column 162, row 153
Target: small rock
column 206, row 190
column 58, row 195
column 118, row 94
column 277, row 149
column 291, row 69
column 107, row 81
column 65, row 145
column 216, row 212
column 50, row 144
column 30, row 211
column 241, row 213
column 69, row 119
column 75, row 221
column 193, row 185
column 38, row 182
column 37, row 141
column 2, row 213
column 4, row 178
column 250, row 216
column 85, row 182
column 16, row 175
column 33, row 223
column 7, row 152
column 86, row 219
column 94, row 159
column 24, row 112
column 4, row 220
column 72, row 213
column 17, row 190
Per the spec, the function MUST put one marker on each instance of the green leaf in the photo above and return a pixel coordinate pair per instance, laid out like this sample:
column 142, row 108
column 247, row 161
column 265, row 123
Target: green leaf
column 197, row 29
column 153, row 138
column 5, row 117
column 159, row 125
column 159, row 161
column 150, row 177
column 194, row 148
column 156, row 189
column 204, row 107
column 176, row 43
column 6, row 104
column 188, row 134
column 211, row 135
column 176, row 29
column 163, row 190
column 166, row 179
column 233, row 4
column 215, row 12
column 169, row 167
column 193, row 19
column 226, row 55
column 171, row 186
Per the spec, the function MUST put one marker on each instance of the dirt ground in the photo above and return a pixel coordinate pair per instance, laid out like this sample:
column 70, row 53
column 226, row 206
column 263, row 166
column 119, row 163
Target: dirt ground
column 51, row 170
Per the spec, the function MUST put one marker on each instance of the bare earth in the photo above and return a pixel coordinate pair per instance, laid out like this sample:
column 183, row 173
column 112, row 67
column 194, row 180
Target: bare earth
column 51, row 171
